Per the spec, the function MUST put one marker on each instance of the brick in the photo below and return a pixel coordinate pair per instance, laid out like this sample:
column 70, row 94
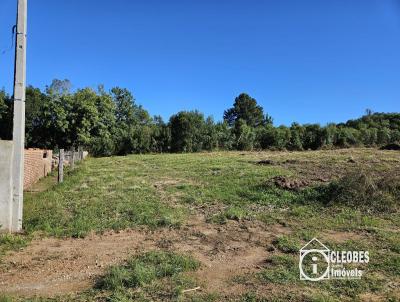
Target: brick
column 37, row 164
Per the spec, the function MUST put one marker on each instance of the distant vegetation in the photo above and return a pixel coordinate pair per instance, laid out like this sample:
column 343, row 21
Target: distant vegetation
column 109, row 123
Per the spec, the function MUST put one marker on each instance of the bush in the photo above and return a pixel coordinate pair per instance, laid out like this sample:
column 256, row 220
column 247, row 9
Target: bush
column 187, row 131
column 245, row 136
column 365, row 191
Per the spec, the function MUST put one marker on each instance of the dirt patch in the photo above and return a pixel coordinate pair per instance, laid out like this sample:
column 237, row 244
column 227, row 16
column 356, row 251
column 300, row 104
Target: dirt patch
column 162, row 184
column 288, row 183
column 52, row 267
column 172, row 182
column 340, row 237
column 370, row 297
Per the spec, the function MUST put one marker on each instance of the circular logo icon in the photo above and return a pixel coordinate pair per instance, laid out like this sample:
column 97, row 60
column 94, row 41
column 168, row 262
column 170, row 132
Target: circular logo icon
column 314, row 265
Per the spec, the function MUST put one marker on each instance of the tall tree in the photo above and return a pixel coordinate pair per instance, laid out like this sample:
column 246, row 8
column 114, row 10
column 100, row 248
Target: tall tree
column 124, row 102
column 245, row 108
column 133, row 123
column 50, row 129
column 59, row 87
column 34, row 104
column 102, row 140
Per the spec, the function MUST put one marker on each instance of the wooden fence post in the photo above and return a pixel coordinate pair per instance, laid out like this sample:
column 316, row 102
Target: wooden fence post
column 80, row 150
column 61, row 166
column 72, row 158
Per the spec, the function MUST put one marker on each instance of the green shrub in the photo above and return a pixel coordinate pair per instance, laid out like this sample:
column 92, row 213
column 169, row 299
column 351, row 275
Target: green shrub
column 365, row 191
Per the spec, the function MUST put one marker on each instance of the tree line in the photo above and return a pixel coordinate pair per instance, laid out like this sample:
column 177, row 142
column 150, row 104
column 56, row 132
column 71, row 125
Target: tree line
column 112, row 123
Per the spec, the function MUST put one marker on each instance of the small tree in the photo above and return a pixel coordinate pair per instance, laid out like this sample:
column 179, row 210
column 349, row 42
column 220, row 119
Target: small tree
column 161, row 135
column 313, row 137
column 225, row 136
column 383, row 136
column 395, row 136
column 265, row 136
column 210, row 139
column 187, row 128
column 131, row 119
column 328, row 135
column 282, row 137
column 296, row 137
column 245, row 135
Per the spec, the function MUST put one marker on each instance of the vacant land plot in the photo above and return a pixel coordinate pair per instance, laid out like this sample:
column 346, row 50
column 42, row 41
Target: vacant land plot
column 222, row 226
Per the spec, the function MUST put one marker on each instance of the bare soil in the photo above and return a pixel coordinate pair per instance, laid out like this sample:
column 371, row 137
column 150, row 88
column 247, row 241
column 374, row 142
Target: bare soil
column 50, row 267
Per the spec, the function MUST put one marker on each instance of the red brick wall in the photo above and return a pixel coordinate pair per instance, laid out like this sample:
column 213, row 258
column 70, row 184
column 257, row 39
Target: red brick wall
column 37, row 165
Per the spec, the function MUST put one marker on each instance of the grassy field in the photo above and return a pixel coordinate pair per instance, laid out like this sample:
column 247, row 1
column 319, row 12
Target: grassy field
column 246, row 214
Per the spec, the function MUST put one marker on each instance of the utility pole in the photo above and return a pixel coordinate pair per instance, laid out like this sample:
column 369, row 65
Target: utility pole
column 19, row 116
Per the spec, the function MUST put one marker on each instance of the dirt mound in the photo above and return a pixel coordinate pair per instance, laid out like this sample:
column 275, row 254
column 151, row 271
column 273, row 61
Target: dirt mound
column 288, row 183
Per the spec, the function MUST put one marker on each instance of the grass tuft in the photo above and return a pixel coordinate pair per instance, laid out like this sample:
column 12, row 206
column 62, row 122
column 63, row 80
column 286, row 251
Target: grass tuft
column 287, row 244
column 146, row 268
column 12, row 242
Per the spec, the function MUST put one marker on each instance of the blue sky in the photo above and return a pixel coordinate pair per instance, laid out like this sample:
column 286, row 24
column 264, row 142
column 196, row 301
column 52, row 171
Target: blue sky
column 305, row 61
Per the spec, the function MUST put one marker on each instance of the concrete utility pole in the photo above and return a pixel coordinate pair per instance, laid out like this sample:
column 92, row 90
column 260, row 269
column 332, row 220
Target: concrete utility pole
column 19, row 116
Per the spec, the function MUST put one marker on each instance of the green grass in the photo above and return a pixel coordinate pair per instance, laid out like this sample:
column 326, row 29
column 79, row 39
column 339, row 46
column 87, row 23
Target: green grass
column 144, row 269
column 153, row 275
column 102, row 194
column 287, row 244
column 120, row 192
column 12, row 242
column 163, row 190
column 282, row 269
